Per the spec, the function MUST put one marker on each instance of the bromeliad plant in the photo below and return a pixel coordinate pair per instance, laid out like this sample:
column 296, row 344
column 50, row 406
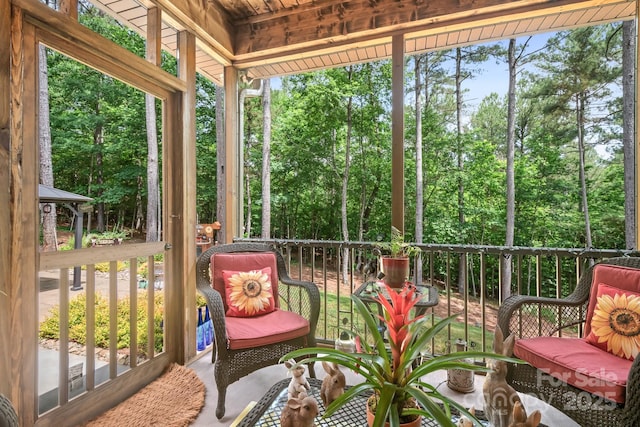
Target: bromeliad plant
column 393, row 371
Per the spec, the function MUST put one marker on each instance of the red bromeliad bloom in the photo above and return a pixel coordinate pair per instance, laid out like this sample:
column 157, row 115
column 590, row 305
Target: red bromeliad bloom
column 397, row 316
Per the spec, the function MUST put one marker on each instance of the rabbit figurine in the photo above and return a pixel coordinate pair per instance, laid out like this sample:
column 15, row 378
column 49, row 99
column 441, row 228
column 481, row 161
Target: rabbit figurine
column 299, row 383
column 466, row 422
column 499, row 397
column 520, row 418
column 333, row 383
column 299, row 412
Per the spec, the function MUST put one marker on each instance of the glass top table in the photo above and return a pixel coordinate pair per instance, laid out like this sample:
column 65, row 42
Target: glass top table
column 368, row 291
column 266, row 413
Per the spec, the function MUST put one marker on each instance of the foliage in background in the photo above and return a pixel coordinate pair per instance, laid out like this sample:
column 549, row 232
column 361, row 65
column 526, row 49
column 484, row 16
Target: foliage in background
column 101, row 121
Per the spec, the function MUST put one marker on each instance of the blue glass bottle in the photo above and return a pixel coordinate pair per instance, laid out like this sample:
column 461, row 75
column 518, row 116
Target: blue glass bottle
column 200, row 342
column 208, row 333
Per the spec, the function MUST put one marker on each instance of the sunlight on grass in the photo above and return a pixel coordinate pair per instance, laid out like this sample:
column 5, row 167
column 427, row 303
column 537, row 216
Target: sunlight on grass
column 334, row 310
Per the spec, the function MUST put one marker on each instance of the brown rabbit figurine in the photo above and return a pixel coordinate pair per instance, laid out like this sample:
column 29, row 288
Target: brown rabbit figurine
column 299, row 412
column 520, row 418
column 333, row 383
column 466, row 422
column 499, row 397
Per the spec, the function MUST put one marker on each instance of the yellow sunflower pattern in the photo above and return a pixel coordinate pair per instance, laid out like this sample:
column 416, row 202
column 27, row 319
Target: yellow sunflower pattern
column 250, row 291
column 616, row 322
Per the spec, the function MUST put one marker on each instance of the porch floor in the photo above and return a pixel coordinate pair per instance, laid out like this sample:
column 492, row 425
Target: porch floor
column 255, row 385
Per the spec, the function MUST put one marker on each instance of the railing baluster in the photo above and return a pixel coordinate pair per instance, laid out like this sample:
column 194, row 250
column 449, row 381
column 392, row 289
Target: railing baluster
column 63, row 379
column 91, row 327
column 133, row 313
column 113, row 319
column 151, row 306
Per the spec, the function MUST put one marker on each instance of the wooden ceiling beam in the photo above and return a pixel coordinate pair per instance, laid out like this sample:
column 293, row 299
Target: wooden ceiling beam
column 345, row 22
column 210, row 24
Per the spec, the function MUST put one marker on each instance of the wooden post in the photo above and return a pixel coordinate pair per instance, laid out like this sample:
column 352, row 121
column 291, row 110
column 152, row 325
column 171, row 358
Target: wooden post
column 22, row 238
column 187, row 72
column 397, row 133
column 231, row 221
column 5, row 197
column 69, row 8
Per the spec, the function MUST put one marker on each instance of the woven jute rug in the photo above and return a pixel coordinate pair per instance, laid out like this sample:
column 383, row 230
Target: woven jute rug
column 174, row 399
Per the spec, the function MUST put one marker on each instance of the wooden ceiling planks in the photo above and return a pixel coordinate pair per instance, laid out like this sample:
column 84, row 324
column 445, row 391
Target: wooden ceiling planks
column 333, row 27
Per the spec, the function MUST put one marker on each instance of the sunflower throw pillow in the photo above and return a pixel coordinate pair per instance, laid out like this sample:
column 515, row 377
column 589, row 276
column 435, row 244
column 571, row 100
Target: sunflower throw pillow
column 248, row 293
column 615, row 325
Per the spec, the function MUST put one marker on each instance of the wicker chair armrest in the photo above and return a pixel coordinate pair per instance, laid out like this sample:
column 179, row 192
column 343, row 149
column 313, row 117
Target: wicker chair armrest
column 513, row 305
column 313, row 294
column 217, row 313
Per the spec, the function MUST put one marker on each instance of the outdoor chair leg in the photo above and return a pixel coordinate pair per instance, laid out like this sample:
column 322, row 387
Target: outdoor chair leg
column 222, row 394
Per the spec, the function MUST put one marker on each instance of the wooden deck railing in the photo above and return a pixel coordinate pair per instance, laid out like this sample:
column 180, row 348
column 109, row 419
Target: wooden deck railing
column 551, row 272
column 73, row 399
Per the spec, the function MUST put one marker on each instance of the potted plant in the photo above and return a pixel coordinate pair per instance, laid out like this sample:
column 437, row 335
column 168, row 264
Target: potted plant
column 395, row 259
column 390, row 370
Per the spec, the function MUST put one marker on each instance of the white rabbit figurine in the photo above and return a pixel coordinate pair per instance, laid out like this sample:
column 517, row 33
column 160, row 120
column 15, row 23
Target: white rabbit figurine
column 299, row 383
column 499, row 397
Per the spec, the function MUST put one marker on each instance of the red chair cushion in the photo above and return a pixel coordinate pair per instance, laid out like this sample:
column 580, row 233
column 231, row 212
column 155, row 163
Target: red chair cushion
column 625, row 278
column 242, row 261
column 248, row 293
column 615, row 324
column 576, row 362
column 274, row 327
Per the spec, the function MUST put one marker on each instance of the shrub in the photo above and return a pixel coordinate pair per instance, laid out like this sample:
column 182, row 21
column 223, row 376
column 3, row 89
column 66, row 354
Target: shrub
column 103, row 267
column 50, row 327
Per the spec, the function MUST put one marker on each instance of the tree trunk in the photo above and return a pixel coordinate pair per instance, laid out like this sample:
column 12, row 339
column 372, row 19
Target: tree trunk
column 153, row 188
column 137, row 222
column 583, row 179
column 510, row 174
column 266, row 159
column 220, row 156
column 345, row 183
column 49, row 220
column 628, row 130
column 462, row 265
column 419, row 173
column 98, row 141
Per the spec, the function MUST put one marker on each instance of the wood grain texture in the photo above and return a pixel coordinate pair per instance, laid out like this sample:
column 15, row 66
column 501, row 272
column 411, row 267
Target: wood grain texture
column 5, row 218
column 323, row 23
column 209, row 23
column 24, row 220
column 82, row 44
column 86, row 256
column 187, row 72
column 174, row 225
column 397, row 133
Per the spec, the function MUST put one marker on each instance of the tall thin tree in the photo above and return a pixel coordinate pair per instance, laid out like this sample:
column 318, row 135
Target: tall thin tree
column 49, row 234
column 266, row 159
column 628, row 130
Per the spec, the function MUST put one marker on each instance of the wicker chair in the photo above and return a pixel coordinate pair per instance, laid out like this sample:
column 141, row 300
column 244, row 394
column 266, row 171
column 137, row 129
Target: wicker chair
column 8, row 417
column 236, row 356
column 514, row 316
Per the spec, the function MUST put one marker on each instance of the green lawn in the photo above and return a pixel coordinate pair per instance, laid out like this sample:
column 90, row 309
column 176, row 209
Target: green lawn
column 332, row 310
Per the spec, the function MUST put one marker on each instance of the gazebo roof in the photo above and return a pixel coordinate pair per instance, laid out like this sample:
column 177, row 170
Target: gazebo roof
column 48, row 194
column 277, row 37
